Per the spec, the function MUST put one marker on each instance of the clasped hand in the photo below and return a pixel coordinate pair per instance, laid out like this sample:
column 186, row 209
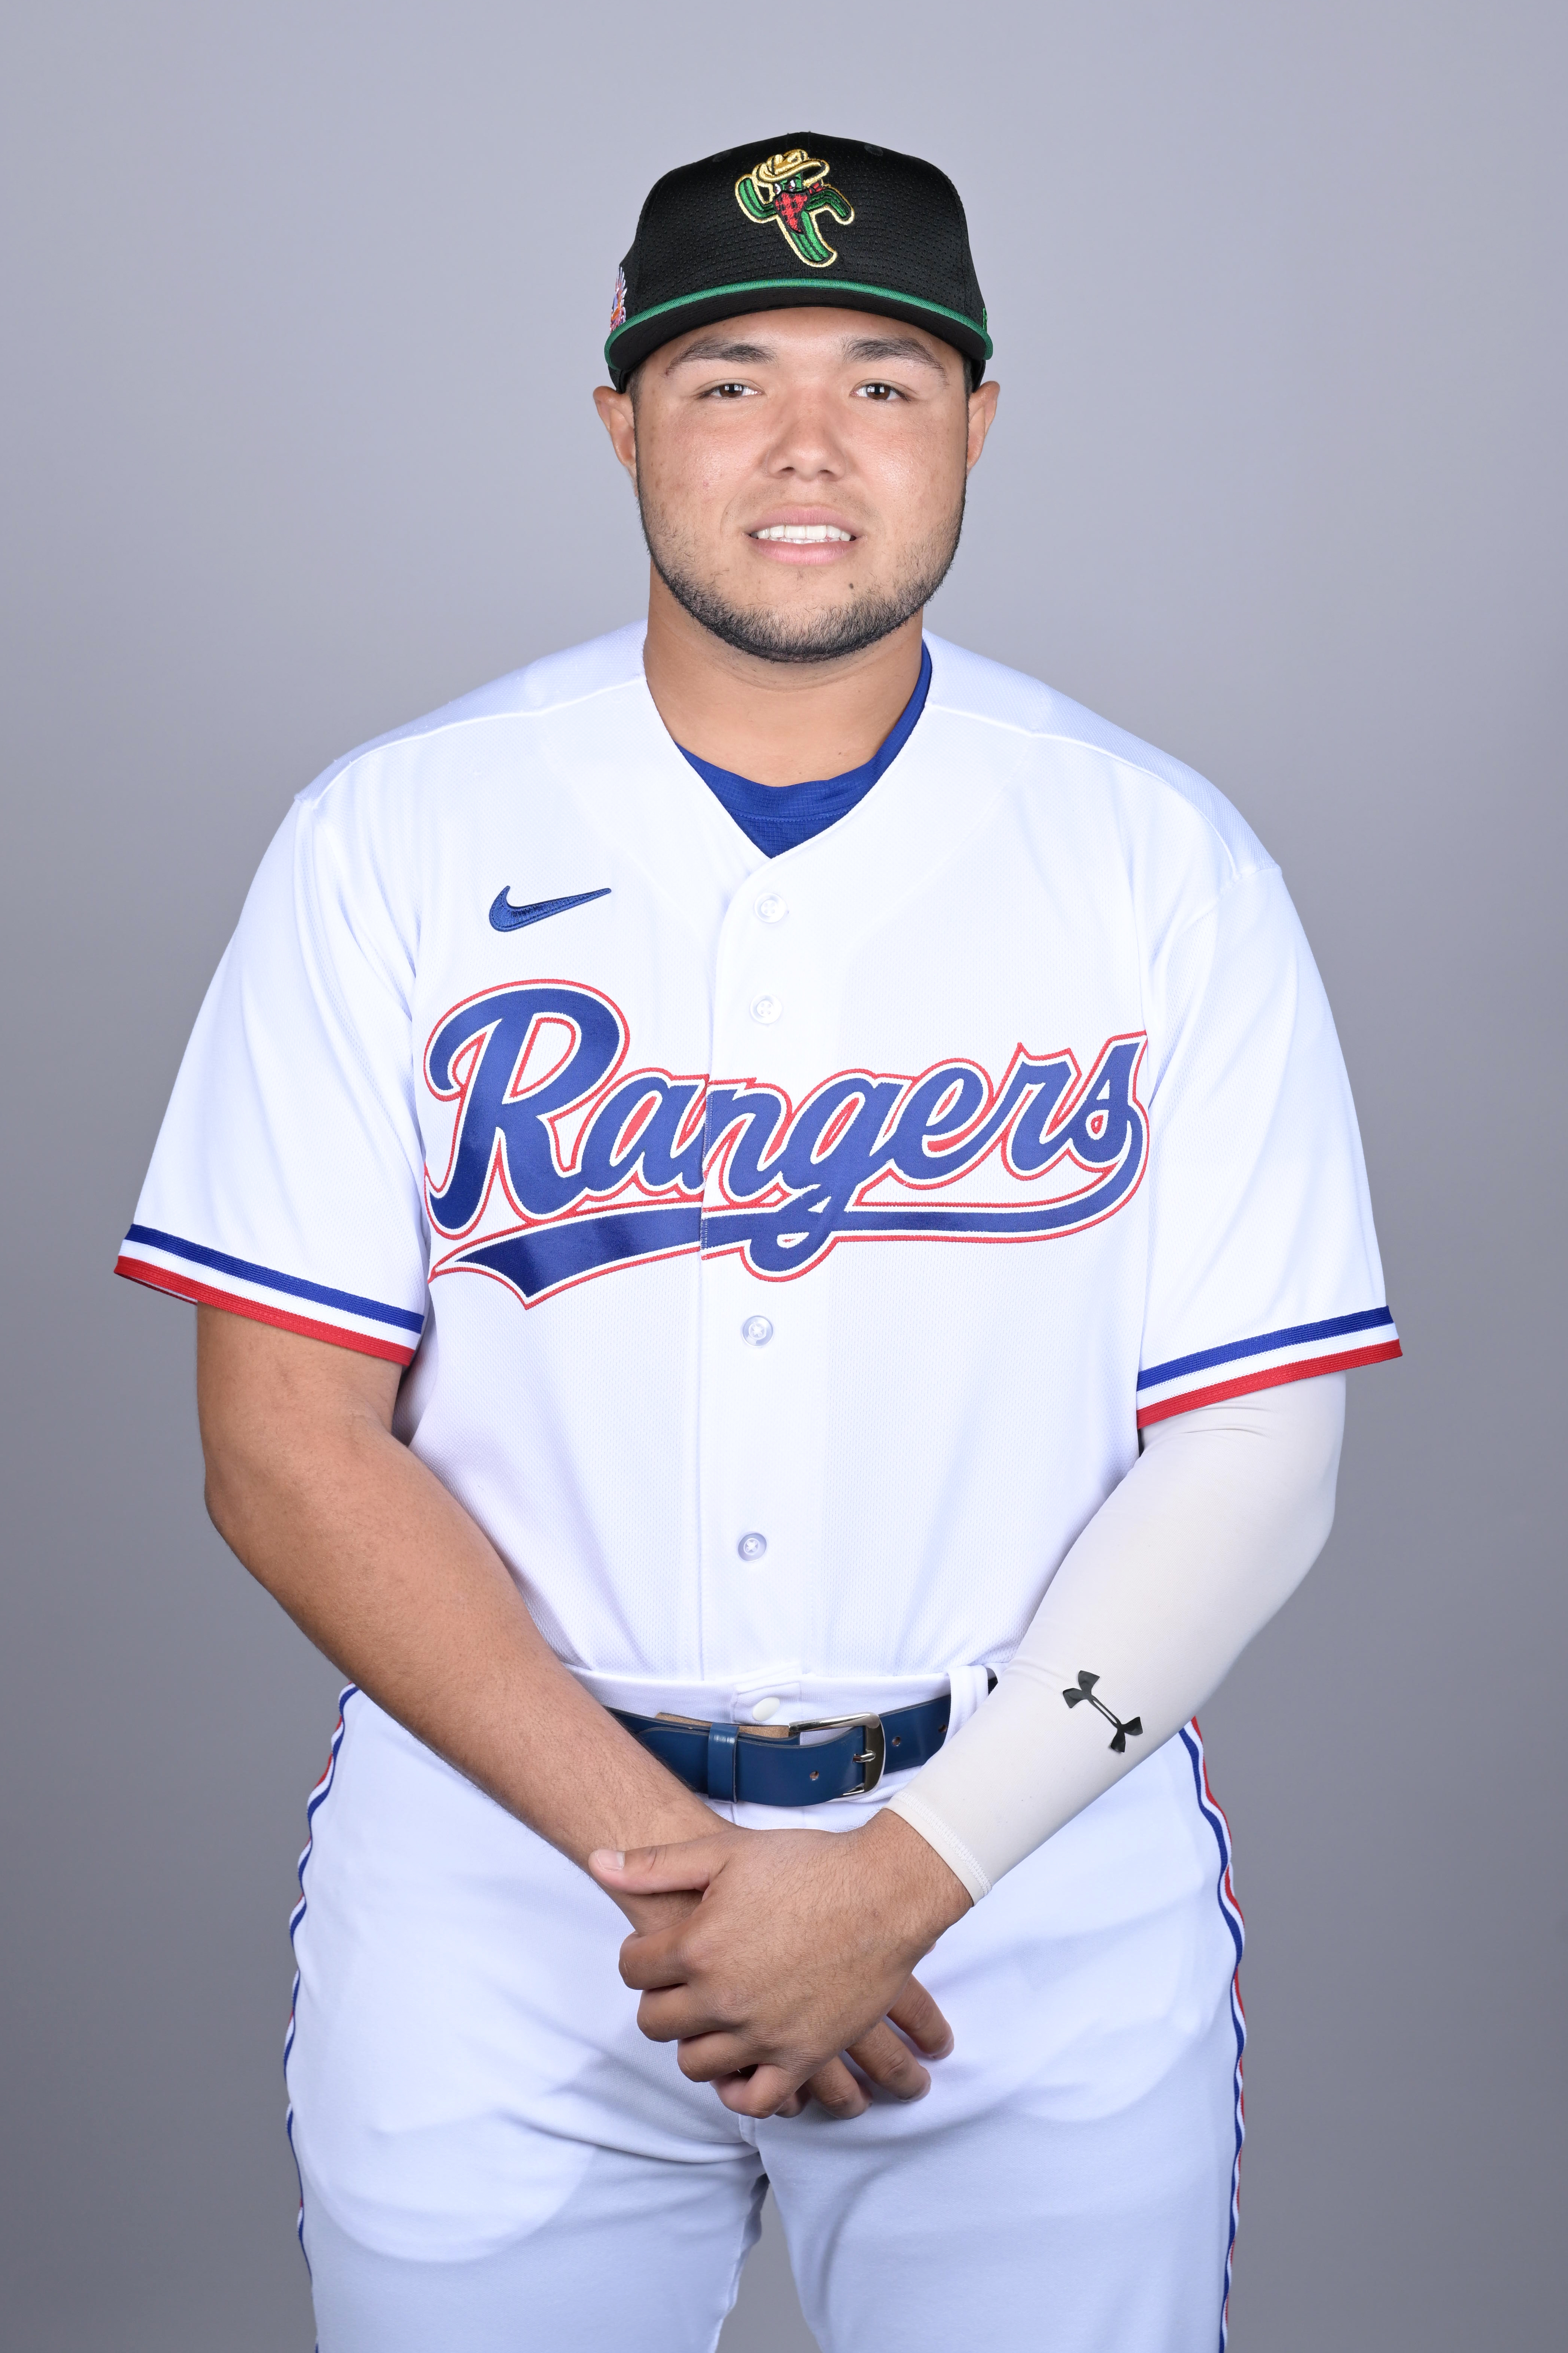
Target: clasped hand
column 798, row 1948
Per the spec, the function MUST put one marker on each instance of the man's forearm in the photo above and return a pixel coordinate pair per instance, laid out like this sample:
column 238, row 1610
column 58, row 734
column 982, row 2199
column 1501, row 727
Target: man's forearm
column 1205, row 1539
column 388, row 1575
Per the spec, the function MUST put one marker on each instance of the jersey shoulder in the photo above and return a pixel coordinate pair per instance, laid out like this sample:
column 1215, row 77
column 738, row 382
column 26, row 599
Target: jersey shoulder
column 968, row 686
column 553, row 683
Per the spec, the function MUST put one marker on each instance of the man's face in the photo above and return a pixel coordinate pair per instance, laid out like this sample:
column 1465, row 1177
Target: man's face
column 801, row 474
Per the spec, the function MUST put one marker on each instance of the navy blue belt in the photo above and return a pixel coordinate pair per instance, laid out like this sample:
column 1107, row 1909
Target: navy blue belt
column 755, row 1765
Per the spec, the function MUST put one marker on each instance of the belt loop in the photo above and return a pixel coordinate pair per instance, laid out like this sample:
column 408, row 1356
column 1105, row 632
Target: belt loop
column 968, row 1686
column 721, row 1762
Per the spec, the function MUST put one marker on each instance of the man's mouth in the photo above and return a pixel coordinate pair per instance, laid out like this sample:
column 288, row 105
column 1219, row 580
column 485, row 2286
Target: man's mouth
column 801, row 534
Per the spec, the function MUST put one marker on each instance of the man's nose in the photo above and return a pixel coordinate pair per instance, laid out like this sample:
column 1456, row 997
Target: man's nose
column 806, row 441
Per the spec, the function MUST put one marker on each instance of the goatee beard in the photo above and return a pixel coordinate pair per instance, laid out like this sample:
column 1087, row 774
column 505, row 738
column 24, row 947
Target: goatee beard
column 821, row 637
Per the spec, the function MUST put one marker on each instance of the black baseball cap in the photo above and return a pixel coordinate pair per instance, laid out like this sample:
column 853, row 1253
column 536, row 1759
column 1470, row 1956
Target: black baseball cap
column 801, row 219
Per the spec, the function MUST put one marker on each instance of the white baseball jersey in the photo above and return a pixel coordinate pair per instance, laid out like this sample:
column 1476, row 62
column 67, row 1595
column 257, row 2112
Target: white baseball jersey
column 786, row 1251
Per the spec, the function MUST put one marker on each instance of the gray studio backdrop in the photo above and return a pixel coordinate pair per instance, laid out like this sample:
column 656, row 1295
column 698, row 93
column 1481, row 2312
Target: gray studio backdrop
column 303, row 307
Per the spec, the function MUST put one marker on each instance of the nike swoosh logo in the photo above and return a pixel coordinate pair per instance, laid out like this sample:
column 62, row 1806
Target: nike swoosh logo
column 505, row 917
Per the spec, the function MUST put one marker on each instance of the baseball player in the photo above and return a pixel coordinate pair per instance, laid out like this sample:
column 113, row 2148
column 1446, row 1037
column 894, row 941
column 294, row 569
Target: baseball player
column 778, row 1227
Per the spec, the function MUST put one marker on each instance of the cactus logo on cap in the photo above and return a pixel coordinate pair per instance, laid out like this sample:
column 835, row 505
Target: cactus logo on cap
column 793, row 190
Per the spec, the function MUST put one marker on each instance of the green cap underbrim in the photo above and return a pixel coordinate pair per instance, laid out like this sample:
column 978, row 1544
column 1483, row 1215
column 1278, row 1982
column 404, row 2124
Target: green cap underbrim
column 629, row 344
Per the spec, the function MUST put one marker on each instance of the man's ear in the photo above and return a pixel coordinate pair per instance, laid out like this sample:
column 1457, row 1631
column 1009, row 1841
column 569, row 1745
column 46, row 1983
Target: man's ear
column 982, row 417
column 618, row 416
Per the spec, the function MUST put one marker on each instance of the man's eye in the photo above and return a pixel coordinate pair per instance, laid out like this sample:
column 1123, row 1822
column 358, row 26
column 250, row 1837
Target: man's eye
column 878, row 392
column 727, row 391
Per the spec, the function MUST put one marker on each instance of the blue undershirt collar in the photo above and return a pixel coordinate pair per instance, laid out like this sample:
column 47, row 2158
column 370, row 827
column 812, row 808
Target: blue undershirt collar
column 777, row 818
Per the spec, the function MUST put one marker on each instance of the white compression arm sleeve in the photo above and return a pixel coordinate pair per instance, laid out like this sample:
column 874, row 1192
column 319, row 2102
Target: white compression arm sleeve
column 1211, row 1531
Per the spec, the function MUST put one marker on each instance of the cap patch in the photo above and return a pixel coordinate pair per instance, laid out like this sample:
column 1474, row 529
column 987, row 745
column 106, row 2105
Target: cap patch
column 618, row 301
column 792, row 190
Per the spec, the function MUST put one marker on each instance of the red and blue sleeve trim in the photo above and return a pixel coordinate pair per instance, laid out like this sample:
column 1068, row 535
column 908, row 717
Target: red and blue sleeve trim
column 1296, row 1353
column 215, row 1278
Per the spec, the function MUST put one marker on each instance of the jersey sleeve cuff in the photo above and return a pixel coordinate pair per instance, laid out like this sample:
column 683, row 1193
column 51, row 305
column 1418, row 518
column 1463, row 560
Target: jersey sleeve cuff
column 212, row 1278
column 1266, row 1361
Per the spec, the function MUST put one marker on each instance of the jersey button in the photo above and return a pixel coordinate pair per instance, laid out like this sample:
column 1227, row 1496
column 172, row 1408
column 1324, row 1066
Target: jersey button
column 765, row 1008
column 765, row 1709
column 771, row 908
column 756, row 1331
column 752, row 1546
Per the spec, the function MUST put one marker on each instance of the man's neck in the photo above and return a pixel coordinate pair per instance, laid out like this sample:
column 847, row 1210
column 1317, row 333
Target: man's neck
column 777, row 722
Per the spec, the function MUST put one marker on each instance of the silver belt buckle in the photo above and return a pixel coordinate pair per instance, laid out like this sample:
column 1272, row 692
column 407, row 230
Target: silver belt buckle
column 873, row 1757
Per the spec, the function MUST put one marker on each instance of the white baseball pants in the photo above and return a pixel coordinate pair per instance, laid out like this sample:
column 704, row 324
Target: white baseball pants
column 493, row 2158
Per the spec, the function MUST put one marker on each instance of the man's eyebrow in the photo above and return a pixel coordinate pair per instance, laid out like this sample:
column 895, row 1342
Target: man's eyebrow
column 891, row 347
column 723, row 347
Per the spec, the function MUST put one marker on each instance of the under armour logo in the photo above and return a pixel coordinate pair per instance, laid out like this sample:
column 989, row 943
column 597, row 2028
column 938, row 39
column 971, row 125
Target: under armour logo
column 1086, row 1690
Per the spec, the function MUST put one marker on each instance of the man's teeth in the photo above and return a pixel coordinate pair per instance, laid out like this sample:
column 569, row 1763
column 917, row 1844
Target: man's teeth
column 803, row 532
